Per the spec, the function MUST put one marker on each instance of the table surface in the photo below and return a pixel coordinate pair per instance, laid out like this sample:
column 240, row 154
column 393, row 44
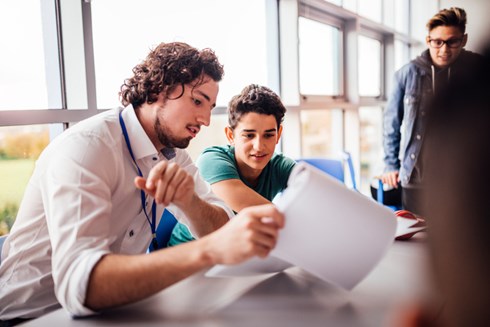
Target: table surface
column 290, row 298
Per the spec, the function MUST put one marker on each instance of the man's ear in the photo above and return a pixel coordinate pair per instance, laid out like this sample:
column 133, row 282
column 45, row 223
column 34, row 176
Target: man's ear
column 279, row 132
column 229, row 135
column 427, row 40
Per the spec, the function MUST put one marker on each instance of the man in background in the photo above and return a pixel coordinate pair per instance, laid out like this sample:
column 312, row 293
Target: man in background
column 409, row 104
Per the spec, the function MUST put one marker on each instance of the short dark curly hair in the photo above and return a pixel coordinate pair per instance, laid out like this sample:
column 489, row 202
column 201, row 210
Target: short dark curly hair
column 167, row 66
column 258, row 99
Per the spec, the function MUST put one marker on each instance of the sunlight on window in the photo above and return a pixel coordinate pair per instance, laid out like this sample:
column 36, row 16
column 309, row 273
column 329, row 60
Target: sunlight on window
column 136, row 26
column 371, row 138
column 318, row 58
column 369, row 66
column 22, row 69
column 371, row 9
column 401, row 54
column 214, row 134
column 321, row 132
column 350, row 5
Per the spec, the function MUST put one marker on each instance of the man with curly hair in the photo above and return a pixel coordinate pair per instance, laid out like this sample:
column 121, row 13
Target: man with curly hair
column 95, row 197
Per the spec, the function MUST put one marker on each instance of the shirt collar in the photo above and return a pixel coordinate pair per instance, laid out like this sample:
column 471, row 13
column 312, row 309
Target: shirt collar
column 169, row 153
column 140, row 142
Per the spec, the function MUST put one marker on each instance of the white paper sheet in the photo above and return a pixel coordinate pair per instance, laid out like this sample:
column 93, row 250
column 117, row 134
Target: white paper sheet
column 331, row 231
column 405, row 226
column 253, row 266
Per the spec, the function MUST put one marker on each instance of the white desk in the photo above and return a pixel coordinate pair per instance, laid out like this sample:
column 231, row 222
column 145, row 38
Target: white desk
column 292, row 298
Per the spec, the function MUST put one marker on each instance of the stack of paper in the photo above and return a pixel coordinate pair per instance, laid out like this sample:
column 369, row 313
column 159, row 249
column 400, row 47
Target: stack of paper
column 331, row 231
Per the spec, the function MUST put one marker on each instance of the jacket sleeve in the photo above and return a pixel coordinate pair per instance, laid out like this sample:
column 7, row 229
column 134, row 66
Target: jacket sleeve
column 392, row 120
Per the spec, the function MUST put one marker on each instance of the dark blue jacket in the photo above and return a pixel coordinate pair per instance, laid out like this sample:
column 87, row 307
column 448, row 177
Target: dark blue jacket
column 409, row 103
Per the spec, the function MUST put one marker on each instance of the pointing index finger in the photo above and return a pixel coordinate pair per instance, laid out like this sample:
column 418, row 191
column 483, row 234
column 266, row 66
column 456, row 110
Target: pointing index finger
column 155, row 173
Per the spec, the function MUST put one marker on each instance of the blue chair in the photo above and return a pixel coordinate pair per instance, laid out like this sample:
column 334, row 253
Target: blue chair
column 2, row 240
column 333, row 167
column 164, row 229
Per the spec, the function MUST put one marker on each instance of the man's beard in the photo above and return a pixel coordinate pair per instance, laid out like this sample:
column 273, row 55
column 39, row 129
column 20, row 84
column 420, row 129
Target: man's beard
column 166, row 139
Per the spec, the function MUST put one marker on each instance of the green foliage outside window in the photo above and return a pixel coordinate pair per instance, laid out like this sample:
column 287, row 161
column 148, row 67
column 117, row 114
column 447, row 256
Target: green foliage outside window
column 18, row 153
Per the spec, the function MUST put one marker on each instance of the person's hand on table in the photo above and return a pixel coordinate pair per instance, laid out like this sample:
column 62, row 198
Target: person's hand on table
column 252, row 232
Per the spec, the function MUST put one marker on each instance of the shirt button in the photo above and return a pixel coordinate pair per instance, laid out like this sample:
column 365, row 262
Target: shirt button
column 412, row 156
column 131, row 233
column 418, row 137
column 423, row 113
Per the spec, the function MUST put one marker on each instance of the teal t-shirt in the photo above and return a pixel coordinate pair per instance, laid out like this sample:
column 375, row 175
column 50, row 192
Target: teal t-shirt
column 217, row 163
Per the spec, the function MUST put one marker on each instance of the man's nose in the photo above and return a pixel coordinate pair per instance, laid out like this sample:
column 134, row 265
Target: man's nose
column 205, row 117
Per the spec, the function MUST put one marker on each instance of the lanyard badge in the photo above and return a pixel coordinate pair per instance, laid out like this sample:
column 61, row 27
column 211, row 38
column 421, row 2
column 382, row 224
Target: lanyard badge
column 151, row 221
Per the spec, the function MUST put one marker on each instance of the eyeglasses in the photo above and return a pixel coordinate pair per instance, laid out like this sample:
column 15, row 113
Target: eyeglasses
column 452, row 43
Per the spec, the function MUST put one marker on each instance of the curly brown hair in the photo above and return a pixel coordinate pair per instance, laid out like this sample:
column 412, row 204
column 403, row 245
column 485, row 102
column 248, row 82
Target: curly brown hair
column 167, row 66
column 258, row 99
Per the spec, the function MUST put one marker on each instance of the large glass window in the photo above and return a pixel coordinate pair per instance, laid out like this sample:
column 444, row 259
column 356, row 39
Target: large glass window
column 350, row 5
column 238, row 31
column 321, row 132
column 369, row 66
column 401, row 14
column 370, row 9
column 20, row 146
column 389, row 13
column 371, row 144
column 214, row 134
column 22, row 68
column 319, row 64
column 401, row 54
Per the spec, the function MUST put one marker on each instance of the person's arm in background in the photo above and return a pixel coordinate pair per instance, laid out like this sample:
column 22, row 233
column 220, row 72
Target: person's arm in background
column 219, row 169
column 237, row 195
column 392, row 121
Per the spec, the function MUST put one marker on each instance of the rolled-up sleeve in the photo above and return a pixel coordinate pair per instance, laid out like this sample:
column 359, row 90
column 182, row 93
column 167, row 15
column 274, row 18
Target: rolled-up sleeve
column 77, row 198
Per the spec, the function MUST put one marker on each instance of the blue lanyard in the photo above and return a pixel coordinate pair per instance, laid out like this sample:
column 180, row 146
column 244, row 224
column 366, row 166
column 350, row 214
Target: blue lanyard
column 143, row 202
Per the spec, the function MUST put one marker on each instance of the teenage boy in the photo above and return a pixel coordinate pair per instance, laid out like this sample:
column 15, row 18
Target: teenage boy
column 248, row 171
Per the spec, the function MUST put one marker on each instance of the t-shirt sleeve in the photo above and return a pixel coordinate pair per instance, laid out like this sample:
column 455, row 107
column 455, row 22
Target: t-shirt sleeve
column 216, row 164
column 283, row 167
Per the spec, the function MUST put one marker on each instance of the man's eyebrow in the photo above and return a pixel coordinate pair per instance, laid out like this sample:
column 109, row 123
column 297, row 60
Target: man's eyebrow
column 254, row 130
column 204, row 95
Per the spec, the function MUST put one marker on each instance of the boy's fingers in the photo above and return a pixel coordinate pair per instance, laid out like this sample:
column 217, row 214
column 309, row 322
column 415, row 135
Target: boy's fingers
column 267, row 211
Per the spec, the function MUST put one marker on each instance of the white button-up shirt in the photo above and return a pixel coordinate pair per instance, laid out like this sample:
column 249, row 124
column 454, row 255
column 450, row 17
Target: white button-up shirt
column 80, row 204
